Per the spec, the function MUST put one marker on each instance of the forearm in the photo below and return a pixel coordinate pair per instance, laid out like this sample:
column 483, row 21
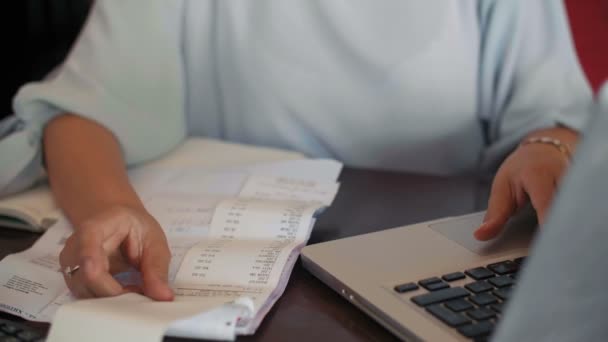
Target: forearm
column 86, row 168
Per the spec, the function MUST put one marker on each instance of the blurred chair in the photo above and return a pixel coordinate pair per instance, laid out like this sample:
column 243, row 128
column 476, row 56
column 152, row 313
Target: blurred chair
column 46, row 29
column 589, row 24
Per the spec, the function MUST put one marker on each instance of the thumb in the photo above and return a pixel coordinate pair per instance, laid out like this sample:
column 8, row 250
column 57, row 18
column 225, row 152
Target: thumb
column 154, row 269
column 501, row 206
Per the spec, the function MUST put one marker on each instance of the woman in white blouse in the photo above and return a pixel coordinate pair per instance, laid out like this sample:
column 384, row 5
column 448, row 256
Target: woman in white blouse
column 423, row 86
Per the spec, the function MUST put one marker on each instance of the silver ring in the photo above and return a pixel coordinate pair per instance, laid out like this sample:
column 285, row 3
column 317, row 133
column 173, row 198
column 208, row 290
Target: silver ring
column 68, row 271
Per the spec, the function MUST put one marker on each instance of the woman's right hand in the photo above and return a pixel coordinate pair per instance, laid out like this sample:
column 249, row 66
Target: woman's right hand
column 114, row 241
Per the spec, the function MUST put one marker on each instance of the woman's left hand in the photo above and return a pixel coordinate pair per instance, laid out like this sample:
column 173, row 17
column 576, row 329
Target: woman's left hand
column 531, row 173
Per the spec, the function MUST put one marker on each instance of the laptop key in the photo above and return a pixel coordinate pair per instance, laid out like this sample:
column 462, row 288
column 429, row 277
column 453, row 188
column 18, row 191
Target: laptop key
column 479, row 273
column 503, row 293
column 436, row 286
column 458, row 305
column 504, row 267
column 440, row 296
column 498, row 307
column 479, row 286
column 479, row 329
column 520, row 260
column 448, row 317
column 502, row 281
column 428, row 281
column 481, row 314
column 9, row 339
column 28, row 336
column 453, row 276
column 406, row 287
column 9, row 328
column 484, row 299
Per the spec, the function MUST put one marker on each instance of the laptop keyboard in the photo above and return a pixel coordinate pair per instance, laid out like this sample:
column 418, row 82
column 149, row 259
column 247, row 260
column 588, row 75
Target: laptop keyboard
column 474, row 308
column 16, row 332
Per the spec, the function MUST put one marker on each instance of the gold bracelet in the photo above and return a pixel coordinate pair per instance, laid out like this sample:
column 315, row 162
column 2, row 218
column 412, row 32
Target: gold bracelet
column 561, row 146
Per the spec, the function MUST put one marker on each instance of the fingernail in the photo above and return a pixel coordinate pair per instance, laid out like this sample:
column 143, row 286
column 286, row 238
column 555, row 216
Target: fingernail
column 483, row 226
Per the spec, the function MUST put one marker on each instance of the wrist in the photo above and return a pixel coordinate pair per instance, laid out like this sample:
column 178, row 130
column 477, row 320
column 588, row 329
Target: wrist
column 101, row 207
column 560, row 139
column 558, row 145
column 564, row 135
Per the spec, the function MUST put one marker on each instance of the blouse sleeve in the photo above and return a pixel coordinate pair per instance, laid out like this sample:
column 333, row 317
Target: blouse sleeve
column 530, row 77
column 125, row 72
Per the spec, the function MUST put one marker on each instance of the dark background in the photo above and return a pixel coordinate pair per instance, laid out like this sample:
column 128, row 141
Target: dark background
column 40, row 33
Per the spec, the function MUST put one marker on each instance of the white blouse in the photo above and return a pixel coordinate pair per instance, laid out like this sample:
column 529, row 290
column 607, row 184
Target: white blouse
column 427, row 86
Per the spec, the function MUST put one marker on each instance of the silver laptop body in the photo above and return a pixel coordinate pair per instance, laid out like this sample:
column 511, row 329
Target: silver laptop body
column 365, row 269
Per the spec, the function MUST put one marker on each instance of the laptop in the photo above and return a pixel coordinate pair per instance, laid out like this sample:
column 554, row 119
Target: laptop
column 433, row 281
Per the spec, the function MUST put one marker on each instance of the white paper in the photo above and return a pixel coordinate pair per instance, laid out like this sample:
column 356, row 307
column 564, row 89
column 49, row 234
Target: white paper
column 30, row 281
column 37, row 210
column 234, row 235
column 249, row 244
column 35, row 207
column 132, row 317
column 289, row 189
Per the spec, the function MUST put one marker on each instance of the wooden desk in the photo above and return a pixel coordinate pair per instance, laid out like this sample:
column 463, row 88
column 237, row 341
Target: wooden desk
column 367, row 201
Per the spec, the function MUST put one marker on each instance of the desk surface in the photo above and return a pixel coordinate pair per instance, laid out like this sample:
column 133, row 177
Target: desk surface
column 368, row 201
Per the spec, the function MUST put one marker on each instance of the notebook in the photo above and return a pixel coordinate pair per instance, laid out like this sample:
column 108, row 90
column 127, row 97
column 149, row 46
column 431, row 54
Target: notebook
column 35, row 209
column 433, row 281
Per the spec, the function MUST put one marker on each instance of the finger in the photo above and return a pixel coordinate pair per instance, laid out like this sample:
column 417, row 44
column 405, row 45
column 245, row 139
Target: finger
column 118, row 264
column 94, row 275
column 77, row 288
column 98, row 281
column 154, row 270
column 540, row 189
column 521, row 197
column 69, row 257
column 501, row 205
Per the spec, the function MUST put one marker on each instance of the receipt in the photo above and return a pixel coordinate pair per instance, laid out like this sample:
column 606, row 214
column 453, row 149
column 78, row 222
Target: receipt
column 234, row 237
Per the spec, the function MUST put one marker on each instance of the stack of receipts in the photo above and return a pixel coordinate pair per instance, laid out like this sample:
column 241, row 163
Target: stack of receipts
column 234, row 233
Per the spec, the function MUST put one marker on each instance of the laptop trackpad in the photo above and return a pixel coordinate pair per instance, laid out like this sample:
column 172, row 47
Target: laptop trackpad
column 517, row 233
